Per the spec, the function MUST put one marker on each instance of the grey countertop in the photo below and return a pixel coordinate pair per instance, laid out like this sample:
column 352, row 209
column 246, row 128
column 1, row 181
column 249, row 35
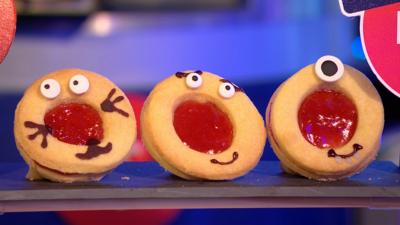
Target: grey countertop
column 146, row 185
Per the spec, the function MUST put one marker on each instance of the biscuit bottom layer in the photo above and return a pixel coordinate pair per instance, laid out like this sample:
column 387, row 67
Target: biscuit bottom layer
column 327, row 119
column 203, row 126
column 71, row 174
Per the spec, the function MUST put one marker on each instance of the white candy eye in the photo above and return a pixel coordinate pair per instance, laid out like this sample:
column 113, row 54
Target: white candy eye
column 50, row 88
column 226, row 90
column 194, row 80
column 329, row 68
column 79, row 84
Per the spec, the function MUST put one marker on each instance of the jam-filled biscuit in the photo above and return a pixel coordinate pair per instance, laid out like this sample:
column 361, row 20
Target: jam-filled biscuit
column 73, row 125
column 326, row 121
column 198, row 125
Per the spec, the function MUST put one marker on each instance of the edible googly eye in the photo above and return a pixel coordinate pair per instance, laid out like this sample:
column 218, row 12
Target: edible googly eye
column 226, row 90
column 50, row 88
column 194, row 80
column 79, row 84
column 329, row 68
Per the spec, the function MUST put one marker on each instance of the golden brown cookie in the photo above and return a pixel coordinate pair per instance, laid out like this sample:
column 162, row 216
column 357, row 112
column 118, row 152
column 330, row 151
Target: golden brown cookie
column 198, row 125
column 73, row 125
column 326, row 121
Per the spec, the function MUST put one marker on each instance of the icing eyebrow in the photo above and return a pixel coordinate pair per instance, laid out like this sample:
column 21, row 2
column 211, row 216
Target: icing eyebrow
column 182, row 74
column 237, row 88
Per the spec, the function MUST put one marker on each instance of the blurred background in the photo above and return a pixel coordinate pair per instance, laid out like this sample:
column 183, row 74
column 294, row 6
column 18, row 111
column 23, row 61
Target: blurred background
column 136, row 43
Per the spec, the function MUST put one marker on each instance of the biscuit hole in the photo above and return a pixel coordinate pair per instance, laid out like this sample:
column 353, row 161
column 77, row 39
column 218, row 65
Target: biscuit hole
column 203, row 126
column 75, row 123
column 327, row 118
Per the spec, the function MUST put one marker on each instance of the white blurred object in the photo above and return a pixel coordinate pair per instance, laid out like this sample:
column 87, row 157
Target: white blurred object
column 390, row 149
column 100, row 24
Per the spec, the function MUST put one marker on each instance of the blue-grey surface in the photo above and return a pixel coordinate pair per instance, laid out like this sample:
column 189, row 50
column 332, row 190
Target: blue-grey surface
column 148, row 180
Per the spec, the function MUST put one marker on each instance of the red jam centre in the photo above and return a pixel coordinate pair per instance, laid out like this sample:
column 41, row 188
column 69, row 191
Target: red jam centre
column 327, row 119
column 74, row 123
column 203, row 127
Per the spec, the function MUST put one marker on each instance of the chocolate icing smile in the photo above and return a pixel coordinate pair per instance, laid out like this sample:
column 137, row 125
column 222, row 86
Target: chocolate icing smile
column 235, row 156
column 94, row 150
column 356, row 148
column 41, row 130
column 108, row 105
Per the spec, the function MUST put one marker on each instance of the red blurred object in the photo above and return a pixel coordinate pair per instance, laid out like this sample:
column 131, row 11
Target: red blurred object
column 139, row 153
column 137, row 102
column 380, row 33
column 128, row 217
column 8, row 24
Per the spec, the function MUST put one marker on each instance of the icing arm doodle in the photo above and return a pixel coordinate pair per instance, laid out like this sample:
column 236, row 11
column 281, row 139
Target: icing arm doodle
column 108, row 105
column 235, row 156
column 41, row 130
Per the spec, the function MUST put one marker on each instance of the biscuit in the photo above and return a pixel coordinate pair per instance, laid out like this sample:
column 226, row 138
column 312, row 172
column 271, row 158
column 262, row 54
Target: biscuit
column 326, row 121
column 198, row 125
column 73, row 125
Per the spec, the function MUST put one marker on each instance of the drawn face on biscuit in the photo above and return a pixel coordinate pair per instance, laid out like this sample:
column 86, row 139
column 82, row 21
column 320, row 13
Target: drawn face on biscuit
column 202, row 117
column 318, row 118
column 74, row 115
column 328, row 118
column 202, row 126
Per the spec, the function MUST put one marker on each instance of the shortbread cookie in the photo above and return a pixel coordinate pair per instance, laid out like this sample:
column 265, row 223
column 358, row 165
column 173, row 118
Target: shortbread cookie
column 198, row 125
column 73, row 125
column 326, row 121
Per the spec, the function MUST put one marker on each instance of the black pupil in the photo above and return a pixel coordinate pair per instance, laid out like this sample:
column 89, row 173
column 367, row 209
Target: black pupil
column 47, row 86
column 329, row 68
column 76, row 82
column 227, row 87
column 195, row 78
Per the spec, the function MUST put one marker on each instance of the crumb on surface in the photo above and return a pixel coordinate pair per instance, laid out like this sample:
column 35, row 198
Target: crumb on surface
column 125, row 178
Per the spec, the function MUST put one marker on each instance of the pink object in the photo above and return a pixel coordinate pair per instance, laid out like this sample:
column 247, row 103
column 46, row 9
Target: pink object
column 8, row 22
column 148, row 217
column 139, row 153
column 380, row 36
column 380, row 31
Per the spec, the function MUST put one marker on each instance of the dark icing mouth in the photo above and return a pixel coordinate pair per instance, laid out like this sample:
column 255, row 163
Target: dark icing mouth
column 356, row 148
column 235, row 156
column 94, row 150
